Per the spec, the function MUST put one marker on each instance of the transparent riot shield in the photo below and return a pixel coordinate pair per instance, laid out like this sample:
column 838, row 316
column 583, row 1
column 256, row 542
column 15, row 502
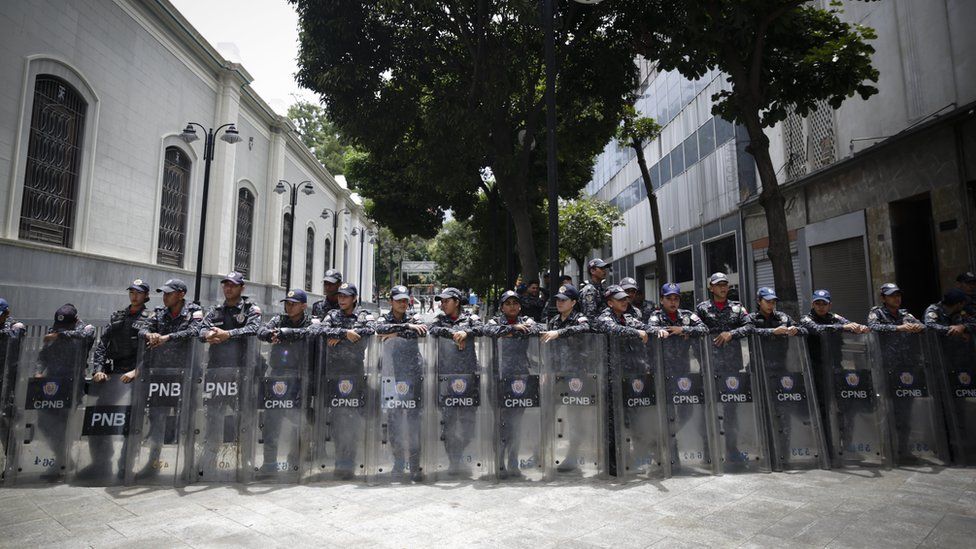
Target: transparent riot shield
column 50, row 379
column 276, row 422
column 853, row 382
column 518, row 424
column 157, row 449
column 458, row 435
column 10, row 354
column 342, row 402
column 740, row 433
column 789, row 388
column 914, row 409
column 638, row 399
column 100, row 450
column 223, row 371
column 574, row 398
column 396, row 377
column 955, row 378
column 688, row 405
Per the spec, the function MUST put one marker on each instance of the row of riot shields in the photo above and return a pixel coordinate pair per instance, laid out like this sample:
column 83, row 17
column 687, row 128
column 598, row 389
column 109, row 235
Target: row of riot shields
column 398, row 407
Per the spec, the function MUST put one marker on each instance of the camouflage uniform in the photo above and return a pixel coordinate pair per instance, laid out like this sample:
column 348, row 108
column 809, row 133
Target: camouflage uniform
column 119, row 344
column 592, row 301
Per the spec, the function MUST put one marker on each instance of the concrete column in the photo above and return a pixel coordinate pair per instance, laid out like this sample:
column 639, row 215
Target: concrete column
column 221, row 225
column 273, row 205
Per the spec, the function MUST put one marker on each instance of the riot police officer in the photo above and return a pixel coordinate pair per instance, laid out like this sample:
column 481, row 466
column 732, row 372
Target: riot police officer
column 532, row 303
column 168, row 333
column 455, row 329
column 343, row 329
column 515, row 329
column 115, row 353
column 11, row 334
column 295, row 324
column 946, row 316
column 966, row 282
column 592, row 294
column 401, row 331
column 330, row 285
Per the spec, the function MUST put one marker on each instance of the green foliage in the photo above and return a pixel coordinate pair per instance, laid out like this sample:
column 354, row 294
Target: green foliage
column 455, row 252
column 320, row 135
column 389, row 249
column 585, row 224
column 634, row 129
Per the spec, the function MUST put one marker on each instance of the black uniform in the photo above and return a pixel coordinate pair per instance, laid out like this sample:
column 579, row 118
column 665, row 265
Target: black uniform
column 457, row 423
column 533, row 307
column 407, row 368
column 346, row 359
column 592, row 301
column 514, row 361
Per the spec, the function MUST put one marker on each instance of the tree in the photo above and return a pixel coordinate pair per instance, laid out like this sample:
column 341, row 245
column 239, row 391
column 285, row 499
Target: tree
column 319, row 135
column 389, row 252
column 779, row 55
column 454, row 251
column 637, row 132
column 436, row 91
column 585, row 224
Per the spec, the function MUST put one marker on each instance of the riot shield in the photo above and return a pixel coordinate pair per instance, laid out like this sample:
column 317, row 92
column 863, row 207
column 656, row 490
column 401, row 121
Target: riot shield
column 157, row 449
column 956, row 380
column 100, row 450
column 914, row 410
column 396, row 377
column 341, row 404
column 853, row 382
column 223, row 371
column 574, row 399
column 276, row 427
column 10, row 354
column 688, row 405
column 45, row 418
column 458, row 436
column 518, row 425
column 638, row 399
column 789, row 388
column 740, row 433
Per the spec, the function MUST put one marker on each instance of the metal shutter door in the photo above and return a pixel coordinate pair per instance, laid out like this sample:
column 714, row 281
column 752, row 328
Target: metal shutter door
column 840, row 267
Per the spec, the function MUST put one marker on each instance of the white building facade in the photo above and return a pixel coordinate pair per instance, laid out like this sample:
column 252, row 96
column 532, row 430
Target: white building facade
column 98, row 188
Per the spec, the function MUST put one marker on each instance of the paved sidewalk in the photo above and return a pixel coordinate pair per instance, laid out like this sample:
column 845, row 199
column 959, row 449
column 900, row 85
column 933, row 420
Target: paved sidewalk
column 856, row 508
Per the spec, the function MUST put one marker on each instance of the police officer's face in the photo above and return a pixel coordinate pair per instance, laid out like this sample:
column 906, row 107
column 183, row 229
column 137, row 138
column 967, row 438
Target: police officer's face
column 399, row 306
column 449, row 306
column 330, row 287
column 951, row 309
column 821, row 307
column 638, row 297
column 294, row 309
column 892, row 301
column 598, row 273
column 564, row 306
column 767, row 306
column 670, row 303
column 232, row 292
column 720, row 290
column 511, row 307
column 347, row 302
column 968, row 287
column 619, row 306
column 172, row 299
column 631, row 295
column 137, row 298
column 533, row 290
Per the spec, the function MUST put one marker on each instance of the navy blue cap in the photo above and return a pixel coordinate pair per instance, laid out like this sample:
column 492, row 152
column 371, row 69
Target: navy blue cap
column 821, row 295
column 449, row 293
column 967, row 277
column 717, row 278
column 597, row 262
column 628, row 283
column 954, row 296
column 766, row 293
column 399, row 292
column 670, row 288
column 567, row 291
column 234, row 277
column 332, row 276
column 66, row 316
column 615, row 292
column 348, row 289
column 4, row 306
column 296, row 295
column 890, row 289
column 139, row 286
column 506, row 296
column 172, row 285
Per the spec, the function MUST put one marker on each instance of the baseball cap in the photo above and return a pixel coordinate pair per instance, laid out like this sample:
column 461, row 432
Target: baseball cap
column 821, row 295
column 348, row 289
column 235, row 277
column 954, row 296
column 767, row 293
column 597, row 262
column 66, row 316
column 332, row 276
column 567, row 291
column 172, row 285
column 506, row 296
column 890, row 289
column 670, row 288
column 139, row 286
column 4, row 306
column 448, row 293
column 615, row 292
column 296, row 295
column 967, row 277
column 628, row 283
column 399, row 292
column 717, row 278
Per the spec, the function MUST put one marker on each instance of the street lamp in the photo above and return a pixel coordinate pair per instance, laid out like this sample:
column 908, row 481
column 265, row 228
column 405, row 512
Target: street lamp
column 326, row 212
column 189, row 135
column 362, row 232
column 280, row 188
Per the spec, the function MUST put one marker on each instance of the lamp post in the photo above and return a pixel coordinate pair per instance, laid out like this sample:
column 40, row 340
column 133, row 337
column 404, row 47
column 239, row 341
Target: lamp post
column 363, row 232
column 326, row 212
column 189, row 135
column 280, row 188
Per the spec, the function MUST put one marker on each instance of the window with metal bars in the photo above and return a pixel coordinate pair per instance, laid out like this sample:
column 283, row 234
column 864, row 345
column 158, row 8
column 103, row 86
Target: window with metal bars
column 245, row 224
column 173, row 205
column 53, row 161
column 328, row 255
column 309, row 257
column 285, row 248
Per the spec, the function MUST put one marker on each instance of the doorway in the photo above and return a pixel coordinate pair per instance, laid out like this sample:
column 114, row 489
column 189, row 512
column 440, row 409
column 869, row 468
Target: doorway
column 913, row 243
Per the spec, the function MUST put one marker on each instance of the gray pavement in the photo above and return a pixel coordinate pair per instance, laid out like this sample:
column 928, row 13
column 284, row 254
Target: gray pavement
column 852, row 508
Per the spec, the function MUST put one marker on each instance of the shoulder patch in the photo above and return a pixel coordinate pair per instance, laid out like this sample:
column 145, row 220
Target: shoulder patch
column 475, row 317
column 933, row 315
column 197, row 315
column 695, row 317
column 581, row 319
column 315, row 320
column 492, row 322
column 872, row 316
column 369, row 317
column 19, row 326
column 256, row 309
column 652, row 319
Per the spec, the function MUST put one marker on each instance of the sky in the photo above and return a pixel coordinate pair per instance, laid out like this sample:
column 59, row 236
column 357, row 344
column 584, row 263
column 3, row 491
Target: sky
column 265, row 34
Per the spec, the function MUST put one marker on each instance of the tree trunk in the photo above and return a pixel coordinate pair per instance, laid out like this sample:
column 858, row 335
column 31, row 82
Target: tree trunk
column 659, row 265
column 579, row 262
column 513, row 193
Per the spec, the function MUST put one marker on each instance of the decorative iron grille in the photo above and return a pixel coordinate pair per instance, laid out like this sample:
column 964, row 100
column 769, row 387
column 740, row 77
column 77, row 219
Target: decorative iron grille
column 796, row 153
column 823, row 147
column 309, row 257
column 245, row 224
column 173, row 208
column 53, row 159
column 328, row 255
column 285, row 248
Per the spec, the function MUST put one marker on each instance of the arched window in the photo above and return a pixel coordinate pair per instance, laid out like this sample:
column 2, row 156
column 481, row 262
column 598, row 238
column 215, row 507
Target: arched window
column 173, row 208
column 245, row 223
column 285, row 249
column 309, row 257
column 328, row 255
column 53, row 162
